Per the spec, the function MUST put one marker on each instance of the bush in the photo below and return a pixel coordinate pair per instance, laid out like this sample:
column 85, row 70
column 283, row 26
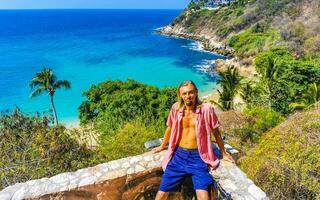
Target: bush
column 251, row 40
column 129, row 140
column 286, row 162
column 263, row 119
column 112, row 103
column 30, row 149
column 291, row 79
column 124, row 114
column 247, row 133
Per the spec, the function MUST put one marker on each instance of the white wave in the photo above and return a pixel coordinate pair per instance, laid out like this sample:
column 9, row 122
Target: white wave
column 207, row 66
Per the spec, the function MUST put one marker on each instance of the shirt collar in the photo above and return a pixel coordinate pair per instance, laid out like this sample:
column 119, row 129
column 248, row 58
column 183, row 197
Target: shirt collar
column 198, row 109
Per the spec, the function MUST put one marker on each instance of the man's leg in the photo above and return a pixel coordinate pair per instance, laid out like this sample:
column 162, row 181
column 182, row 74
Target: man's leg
column 201, row 177
column 162, row 195
column 202, row 195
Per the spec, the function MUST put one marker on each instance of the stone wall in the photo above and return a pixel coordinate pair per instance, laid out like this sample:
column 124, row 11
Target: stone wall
column 136, row 177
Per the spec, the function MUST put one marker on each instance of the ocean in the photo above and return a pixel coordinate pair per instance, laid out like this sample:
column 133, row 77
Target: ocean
column 90, row 46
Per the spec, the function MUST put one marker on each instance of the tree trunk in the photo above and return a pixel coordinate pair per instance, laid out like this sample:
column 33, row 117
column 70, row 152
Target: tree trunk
column 54, row 110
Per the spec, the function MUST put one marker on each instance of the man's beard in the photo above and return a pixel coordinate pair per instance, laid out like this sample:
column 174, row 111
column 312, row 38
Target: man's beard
column 189, row 103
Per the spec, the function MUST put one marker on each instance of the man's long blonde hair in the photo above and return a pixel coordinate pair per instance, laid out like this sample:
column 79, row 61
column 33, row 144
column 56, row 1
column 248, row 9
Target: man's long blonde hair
column 186, row 83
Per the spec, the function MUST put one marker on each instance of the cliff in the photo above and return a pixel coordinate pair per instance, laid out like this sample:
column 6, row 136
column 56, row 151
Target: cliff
column 293, row 24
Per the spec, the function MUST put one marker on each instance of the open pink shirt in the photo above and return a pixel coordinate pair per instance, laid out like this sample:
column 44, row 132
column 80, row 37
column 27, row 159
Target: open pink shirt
column 205, row 123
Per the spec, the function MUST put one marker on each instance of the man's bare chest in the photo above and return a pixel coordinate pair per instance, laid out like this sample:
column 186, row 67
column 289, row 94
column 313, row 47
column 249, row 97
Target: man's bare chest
column 189, row 120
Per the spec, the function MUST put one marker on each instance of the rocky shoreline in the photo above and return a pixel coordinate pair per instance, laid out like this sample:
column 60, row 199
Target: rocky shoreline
column 210, row 43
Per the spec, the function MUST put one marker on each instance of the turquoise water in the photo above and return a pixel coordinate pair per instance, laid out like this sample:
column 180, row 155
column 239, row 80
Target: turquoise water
column 89, row 46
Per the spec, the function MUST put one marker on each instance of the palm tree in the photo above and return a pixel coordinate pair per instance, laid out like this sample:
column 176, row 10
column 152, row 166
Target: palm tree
column 46, row 81
column 230, row 83
column 308, row 98
column 225, row 101
column 270, row 74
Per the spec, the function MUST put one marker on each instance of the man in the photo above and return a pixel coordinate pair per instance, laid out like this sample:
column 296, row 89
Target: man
column 190, row 124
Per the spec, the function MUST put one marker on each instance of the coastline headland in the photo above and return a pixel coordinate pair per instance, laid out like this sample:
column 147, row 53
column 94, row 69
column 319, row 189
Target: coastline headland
column 211, row 43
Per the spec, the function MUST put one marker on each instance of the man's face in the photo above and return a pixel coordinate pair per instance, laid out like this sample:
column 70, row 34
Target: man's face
column 188, row 94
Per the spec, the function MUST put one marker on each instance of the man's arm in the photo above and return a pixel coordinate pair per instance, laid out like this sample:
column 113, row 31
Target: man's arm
column 219, row 141
column 164, row 142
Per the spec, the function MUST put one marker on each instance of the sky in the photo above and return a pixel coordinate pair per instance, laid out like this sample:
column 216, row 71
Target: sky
column 81, row 4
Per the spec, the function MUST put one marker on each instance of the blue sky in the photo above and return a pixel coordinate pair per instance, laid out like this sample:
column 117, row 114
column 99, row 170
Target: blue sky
column 124, row 4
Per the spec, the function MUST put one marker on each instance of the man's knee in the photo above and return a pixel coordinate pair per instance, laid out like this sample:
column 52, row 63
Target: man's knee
column 202, row 194
column 162, row 195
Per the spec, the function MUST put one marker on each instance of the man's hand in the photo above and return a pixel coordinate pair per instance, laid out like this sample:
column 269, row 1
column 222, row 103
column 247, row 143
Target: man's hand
column 157, row 149
column 227, row 157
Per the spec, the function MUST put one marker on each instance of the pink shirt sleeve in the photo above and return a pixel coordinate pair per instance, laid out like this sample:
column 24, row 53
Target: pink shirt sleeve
column 214, row 122
column 171, row 116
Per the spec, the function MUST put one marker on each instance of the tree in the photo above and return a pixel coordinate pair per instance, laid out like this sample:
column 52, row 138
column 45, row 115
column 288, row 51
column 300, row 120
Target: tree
column 309, row 97
column 230, row 83
column 46, row 81
column 268, row 66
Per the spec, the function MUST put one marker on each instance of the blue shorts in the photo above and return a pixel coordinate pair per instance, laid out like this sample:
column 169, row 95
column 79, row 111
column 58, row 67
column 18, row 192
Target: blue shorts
column 186, row 162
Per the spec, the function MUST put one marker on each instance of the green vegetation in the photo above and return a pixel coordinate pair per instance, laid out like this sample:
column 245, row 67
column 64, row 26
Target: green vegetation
column 286, row 162
column 46, row 81
column 253, row 41
column 230, row 83
column 30, row 149
column 286, row 78
column 253, row 94
column 129, row 139
column 115, row 107
column 262, row 120
column 124, row 114
column 308, row 98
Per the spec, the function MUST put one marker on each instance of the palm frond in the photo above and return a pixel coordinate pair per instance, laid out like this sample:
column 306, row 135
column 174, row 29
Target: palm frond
column 62, row 83
column 38, row 92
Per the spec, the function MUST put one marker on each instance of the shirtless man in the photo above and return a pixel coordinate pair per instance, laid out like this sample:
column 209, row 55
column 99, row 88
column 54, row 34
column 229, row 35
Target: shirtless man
column 190, row 124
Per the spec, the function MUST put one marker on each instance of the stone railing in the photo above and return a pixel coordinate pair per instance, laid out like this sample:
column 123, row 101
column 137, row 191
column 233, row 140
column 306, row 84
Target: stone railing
column 136, row 177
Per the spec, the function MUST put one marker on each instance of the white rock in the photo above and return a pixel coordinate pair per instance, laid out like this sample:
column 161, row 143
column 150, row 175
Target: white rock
column 237, row 174
column 84, row 175
column 152, row 164
column 256, row 192
column 50, row 188
column 139, row 168
column 81, row 170
column 250, row 182
column 44, row 179
column 157, row 157
column 46, row 187
column 228, row 185
column 143, row 163
column 104, row 167
column 63, row 188
column 98, row 174
column 130, row 171
column 20, row 194
column 148, row 158
column 125, row 165
column 12, row 189
column 249, row 197
column 60, row 178
column 114, row 165
column 72, row 186
column 5, row 196
column 135, row 159
column 75, row 180
column 32, row 182
column 87, row 181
